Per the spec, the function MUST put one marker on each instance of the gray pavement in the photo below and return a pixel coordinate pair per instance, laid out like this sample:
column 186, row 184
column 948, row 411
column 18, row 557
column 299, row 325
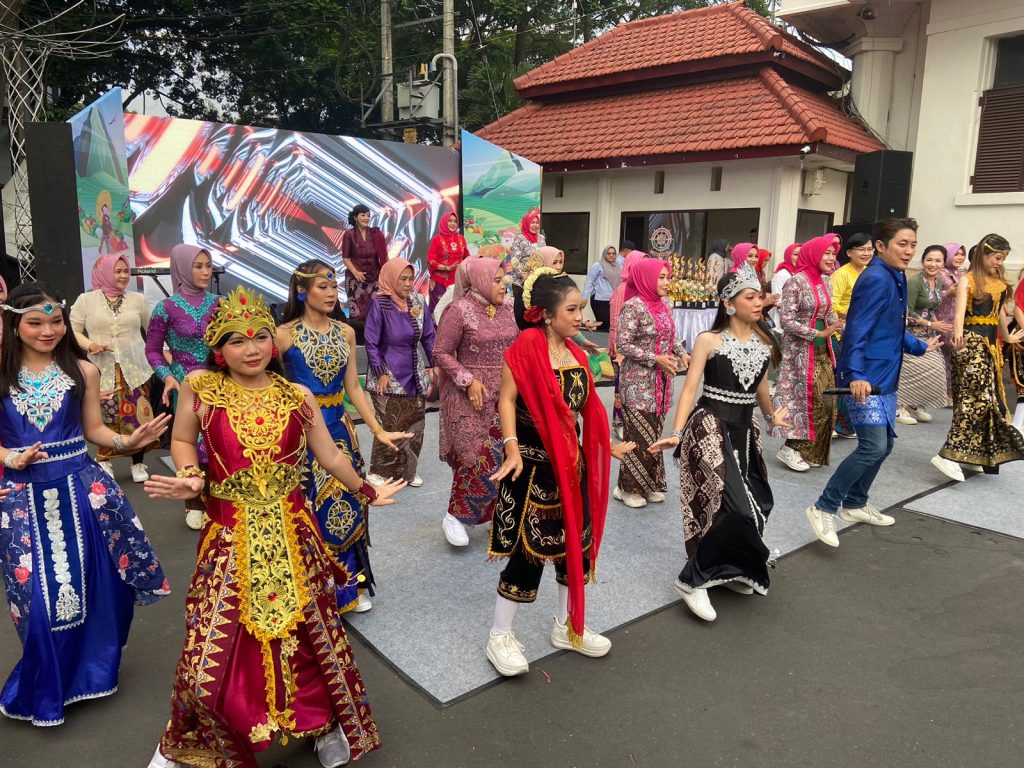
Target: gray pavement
column 902, row 648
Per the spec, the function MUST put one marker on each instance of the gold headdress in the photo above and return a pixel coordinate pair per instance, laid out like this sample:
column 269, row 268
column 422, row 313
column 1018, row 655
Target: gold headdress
column 241, row 311
column 528, row 283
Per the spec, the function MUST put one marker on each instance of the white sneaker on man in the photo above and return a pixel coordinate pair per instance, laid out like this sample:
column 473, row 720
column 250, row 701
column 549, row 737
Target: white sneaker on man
column 373, row 479
column 107, row 467
column 634, row 500
column 194, row 519
column 332, row 749
column 866, row 514
column 362, row 605
column 792, row 459
column 823, row 524
column 454, row 531
column 416, row 482
column 697, row 601
column 506, row 654
column 159, row 761
column 594, row 645
column 739, row 587
column 921, row 415
column 903, row 417
column 949, row 468
column 656, row 497
column 140, row 473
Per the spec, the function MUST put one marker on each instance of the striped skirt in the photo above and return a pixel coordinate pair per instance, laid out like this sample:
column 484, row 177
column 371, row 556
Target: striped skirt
column 923, row 381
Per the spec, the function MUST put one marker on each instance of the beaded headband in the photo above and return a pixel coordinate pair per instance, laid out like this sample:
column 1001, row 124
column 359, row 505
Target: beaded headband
column 241, row 311
column 740, row 280
column 47, row 308
column 528, row 283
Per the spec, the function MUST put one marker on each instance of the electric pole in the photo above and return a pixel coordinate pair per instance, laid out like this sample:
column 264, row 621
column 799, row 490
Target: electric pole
column 387, row 103
column 451, row 130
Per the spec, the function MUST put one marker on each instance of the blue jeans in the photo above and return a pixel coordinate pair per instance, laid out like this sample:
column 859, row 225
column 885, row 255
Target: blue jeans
column 851, row 482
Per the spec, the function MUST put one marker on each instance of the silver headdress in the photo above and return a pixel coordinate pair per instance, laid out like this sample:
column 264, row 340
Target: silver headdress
column 740, row 280
column 47, row 308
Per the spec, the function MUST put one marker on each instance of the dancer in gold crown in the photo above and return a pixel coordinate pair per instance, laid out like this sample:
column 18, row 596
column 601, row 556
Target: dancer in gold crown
column 265, row 651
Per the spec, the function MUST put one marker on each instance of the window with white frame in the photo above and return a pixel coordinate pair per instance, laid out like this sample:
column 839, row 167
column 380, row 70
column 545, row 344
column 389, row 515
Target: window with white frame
column 999, row 163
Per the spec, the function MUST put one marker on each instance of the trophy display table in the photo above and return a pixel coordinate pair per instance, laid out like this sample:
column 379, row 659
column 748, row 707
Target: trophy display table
column 691, row 319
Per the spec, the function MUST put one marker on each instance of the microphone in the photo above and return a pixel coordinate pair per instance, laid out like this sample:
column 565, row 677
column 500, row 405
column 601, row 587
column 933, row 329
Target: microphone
column 846, row 391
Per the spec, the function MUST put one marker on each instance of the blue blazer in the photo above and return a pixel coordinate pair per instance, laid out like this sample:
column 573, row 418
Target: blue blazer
column 876, row 330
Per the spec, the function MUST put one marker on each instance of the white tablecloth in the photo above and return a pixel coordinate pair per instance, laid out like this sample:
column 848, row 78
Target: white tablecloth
column 692, row 322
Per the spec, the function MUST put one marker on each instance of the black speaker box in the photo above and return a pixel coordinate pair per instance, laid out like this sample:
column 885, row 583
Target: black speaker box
column 881, row 185
column 53, row 195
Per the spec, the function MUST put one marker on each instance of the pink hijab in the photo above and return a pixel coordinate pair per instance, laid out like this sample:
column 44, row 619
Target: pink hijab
column 811, row 254
column 387, row 282
column 645, row 278
column 739, row 255
column 627, row 284
column 183, row 256
column 786, row 265
column 549, row 253
column 477, row 276
column 103, row 274
column 951, row 249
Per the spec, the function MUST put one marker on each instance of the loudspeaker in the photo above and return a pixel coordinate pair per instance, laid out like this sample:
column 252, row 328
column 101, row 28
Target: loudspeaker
column 53, row 195
column 881, row 185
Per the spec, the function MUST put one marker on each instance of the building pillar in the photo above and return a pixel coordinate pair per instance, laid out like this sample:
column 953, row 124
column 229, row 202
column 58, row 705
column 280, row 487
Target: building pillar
column 777, row 226
column 871, row 85
column 606, row 229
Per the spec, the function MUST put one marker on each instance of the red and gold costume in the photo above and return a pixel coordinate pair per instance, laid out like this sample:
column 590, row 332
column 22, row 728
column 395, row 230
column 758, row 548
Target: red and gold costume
column 265, row 651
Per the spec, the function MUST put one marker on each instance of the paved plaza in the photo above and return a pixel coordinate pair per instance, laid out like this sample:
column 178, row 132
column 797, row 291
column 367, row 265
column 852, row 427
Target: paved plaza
column 901, row 648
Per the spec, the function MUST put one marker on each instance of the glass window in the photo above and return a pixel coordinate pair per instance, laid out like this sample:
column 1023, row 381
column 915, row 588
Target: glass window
column 569, row 232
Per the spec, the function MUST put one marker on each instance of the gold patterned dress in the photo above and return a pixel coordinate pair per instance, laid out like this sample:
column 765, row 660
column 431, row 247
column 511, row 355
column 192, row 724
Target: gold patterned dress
column 981, row 433
column 265, row 650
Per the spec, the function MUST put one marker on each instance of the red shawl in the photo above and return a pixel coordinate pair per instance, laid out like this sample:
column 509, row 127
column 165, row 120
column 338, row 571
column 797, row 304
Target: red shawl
column 556, row 424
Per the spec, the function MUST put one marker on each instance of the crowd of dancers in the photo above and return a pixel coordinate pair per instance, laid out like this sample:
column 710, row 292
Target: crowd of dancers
column 270, row 469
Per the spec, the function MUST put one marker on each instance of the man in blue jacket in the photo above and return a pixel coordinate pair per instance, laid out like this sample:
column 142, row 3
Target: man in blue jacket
column 872, row 354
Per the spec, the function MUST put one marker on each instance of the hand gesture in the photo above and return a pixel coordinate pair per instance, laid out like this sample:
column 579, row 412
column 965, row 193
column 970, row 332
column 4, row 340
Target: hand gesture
column 958, row 341
column 1015, row 337
column 388, row 439
column 95, row 349
column 477, row 393
column 941, row 325
column 665, row 444
column 619, row 451
column 666, row 363
column 513, row 465
column 170, row 385
column 382, row 384
column 780, row 416
column 165, row 487
column 359, row 276
column 386, row 490
column 148, row 432
column 684, row 361
column 29, row 456
column 934, row 343
column 590, row 347
column 860, row 390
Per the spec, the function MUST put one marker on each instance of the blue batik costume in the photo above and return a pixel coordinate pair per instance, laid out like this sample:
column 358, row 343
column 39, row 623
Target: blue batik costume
column 74, row 556
column 318, row 361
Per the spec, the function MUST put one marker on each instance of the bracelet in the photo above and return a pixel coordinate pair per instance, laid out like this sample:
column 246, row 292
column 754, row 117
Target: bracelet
column 10, row 458
column 118, row 442
column 368, row 492
column 191, row 470
column 509, row 439
column 377, row 431
column 679, row 433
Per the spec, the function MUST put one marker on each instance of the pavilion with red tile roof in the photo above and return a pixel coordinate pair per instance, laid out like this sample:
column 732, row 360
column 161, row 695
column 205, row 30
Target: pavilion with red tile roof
column 714, row 119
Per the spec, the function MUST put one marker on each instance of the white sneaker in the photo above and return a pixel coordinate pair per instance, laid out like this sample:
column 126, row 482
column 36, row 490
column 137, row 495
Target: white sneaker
column 332, row 749
column 373, row 479
column 416, row 482
column 454, row 531
column 506, row 654
column 739, row 587
column 634, row 500
column 107, row 467
column 903, row 417
column 696, row 600
column 140, row 473
column 972, row 468
column 921, row 415
column 656, row 497
column 866, row 514
column 792, row 459
column 594, row 645
column 823, row 524
column 159, row 761
column 194, row 519
column 949, row 468
column 362, row 605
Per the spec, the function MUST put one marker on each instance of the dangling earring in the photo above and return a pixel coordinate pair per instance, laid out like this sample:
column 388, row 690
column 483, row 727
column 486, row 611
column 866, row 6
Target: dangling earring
column 275, row 352
column 547, row 321
column 301, row 296
column 730, row 311
column 218, row 358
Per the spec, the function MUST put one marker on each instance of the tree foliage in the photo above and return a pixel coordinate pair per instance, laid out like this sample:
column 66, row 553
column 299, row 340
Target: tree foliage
column 315, row 64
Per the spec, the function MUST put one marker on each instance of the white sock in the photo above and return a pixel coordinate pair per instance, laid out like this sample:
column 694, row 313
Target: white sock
column 563, row 604
column 1018, row 416
column 504, row 614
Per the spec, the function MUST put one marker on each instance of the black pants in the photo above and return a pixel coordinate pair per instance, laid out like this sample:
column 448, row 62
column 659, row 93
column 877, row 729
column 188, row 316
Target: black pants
column 602, row 312
column 521, row 578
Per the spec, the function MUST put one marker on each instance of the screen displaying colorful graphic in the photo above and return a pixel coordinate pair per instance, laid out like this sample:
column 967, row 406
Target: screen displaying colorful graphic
column 263, row 200
column 499, row 188
column 104, row 212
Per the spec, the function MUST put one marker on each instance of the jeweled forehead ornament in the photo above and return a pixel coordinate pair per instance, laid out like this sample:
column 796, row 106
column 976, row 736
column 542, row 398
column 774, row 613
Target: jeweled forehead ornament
column 241, row 311
column 740, row 280
column 47, row 308
column 332, row 275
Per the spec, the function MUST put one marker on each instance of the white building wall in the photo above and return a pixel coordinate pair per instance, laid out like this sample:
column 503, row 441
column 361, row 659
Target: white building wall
column 958, row 68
